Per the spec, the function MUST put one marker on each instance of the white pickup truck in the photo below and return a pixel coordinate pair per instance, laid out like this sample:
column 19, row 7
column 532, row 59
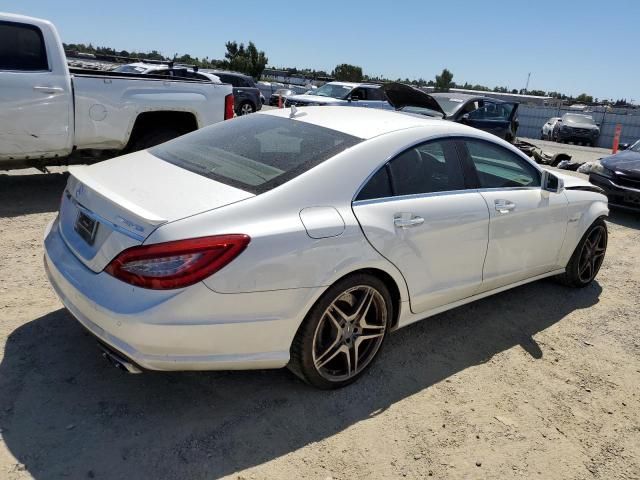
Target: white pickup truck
column 53, row 115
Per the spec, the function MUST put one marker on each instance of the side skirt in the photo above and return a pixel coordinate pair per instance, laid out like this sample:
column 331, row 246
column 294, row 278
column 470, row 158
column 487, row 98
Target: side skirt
column 407, row 318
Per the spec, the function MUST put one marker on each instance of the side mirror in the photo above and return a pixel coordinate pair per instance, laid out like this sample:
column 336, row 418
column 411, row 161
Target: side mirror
column 464, row 118
column 551, row 183
column 623, row 146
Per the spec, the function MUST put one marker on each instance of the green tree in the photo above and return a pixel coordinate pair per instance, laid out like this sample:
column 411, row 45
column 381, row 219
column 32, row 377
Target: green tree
column 584, row 98
column 247, row 59
column 444, row 81
column 348, row 73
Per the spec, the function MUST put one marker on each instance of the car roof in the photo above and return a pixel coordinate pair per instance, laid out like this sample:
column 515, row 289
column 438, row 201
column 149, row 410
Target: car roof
column 363, row 122
column 356, row 84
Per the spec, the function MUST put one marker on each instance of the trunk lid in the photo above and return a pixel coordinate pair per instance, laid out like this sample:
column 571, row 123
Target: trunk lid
column 400, row 96
column 117, row 204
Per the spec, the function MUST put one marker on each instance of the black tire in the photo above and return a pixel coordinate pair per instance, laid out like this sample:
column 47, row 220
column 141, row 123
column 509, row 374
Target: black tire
column 246, row 108
column 154, row 137
column 346, row 295
column 591, row 249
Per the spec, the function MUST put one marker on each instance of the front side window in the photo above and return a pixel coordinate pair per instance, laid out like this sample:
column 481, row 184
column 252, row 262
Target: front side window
column 498, row 167
column 22, row 47
column 427, row 168
column 255, row 153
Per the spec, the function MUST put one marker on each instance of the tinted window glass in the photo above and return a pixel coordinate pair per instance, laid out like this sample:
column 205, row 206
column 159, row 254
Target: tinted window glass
column 378, row 186
column 21, row 47
column 430, row 167
column 375, row 94
column 497, row 167
column 492, row 111
column 228, row 79
column 255, row 152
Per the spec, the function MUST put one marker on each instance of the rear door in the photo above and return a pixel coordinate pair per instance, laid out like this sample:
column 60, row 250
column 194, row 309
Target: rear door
column 416, row 212
column 35, row 94
column 494, row 117
column 527, row 225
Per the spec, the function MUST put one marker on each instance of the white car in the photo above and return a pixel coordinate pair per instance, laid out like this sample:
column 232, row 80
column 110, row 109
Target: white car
column 547, row 129
column 302, row 237
column 347, row 94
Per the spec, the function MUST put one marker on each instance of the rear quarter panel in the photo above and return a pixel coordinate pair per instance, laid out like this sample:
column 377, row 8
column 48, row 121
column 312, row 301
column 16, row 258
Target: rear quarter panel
column 106, row 108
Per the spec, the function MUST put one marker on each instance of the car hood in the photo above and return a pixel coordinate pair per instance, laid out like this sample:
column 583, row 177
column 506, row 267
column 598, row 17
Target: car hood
column 627, row 161
column 573, row 124
column 400, row 95
column 317, row 99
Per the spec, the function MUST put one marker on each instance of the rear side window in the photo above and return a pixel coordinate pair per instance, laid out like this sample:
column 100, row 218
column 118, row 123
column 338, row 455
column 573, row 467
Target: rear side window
column 497, row 167
column 22, row 47
column 255, row 152
column 426, row 168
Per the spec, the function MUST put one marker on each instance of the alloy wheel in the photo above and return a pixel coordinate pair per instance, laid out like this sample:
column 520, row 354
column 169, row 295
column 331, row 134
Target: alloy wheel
column 349, row 333
column 246, row 109
column 592, row 254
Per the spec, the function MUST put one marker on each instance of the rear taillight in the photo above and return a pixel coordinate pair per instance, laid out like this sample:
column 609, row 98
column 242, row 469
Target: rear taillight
column 178, row 264
column 228, row 107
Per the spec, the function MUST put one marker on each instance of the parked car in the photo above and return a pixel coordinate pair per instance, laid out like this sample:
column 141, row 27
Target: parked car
column 276, row 99
column 168, row 70
column 303, row 237
column 619, row 176
column 342, row 93
column 546, row 133
column 51, row 115
column 488, row 114
column 245, row 91
column 577, row 128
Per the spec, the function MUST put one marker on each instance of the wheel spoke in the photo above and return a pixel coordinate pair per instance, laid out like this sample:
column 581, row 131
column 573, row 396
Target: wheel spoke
column 344, row 316
column 330, row 353
column 365, row 303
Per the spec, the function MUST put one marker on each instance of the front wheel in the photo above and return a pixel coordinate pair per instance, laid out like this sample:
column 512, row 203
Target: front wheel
column 343, row 332
column 588, row 256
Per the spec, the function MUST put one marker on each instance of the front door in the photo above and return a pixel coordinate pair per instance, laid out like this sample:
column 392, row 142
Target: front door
column 416, row 212
column 527, row 225
column 494, row 117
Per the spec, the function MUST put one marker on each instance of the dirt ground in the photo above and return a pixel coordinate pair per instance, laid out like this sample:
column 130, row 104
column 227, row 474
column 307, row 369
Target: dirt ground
column 538, row 382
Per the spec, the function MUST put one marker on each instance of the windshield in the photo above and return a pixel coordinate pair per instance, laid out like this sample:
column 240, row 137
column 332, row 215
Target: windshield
column 635, row 147
column 130, row 69
column 255, row 152
column 422, row 111
column 449, row 104
column 333, row 90
column 578, row 119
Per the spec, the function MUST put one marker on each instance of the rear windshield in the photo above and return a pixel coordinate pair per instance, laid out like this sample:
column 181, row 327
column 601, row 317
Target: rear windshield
column 254, row 152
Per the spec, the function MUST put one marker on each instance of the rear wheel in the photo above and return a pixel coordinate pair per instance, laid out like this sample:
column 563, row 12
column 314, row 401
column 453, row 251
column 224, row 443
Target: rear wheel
column 152, row 138
column 588, row 256
column 343, row 332
column 246, row 108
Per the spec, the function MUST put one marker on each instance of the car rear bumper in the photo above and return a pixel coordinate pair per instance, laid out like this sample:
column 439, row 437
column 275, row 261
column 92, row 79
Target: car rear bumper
column 188, row 329
column 618, row 195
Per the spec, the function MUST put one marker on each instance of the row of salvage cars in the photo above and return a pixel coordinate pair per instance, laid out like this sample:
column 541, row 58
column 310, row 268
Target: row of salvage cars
column 303, row 236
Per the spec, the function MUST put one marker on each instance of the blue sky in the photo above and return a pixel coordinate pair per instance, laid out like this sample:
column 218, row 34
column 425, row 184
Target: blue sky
column 578, row 46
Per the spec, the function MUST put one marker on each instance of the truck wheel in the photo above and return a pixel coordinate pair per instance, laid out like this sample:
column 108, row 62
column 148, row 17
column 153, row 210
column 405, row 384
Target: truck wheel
column 246, row 108
column 152, row 138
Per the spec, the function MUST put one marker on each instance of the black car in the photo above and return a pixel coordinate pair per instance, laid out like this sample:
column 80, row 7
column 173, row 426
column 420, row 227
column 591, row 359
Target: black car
column 246, row 95
column 619, row 176
column 577, row 128
column 274, row 99
column 485, row 113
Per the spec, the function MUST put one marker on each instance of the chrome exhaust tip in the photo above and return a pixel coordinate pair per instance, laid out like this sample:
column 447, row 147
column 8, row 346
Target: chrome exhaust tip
column 117, row 361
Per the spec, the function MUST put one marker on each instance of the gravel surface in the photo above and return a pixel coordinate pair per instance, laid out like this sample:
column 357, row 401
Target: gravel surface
column 538, row 382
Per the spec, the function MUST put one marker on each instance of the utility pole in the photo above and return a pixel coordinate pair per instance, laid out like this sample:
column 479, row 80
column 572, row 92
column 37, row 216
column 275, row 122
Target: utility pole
column 526, row 88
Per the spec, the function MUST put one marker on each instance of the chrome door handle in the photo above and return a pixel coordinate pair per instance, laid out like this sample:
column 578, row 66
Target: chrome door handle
column 504, row 206
column 406, row 220
column 48, row 89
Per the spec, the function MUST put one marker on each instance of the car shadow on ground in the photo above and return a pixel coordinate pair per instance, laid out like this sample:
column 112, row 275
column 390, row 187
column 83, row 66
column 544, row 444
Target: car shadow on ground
column 624, row 218
column 27, row 194
column 65, row 412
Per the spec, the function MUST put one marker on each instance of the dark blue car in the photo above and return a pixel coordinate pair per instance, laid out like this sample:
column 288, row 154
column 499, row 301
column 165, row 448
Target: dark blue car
column 619, row 176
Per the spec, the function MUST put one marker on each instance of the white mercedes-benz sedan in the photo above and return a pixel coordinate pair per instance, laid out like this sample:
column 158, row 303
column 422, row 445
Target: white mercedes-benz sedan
column 300, row 238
